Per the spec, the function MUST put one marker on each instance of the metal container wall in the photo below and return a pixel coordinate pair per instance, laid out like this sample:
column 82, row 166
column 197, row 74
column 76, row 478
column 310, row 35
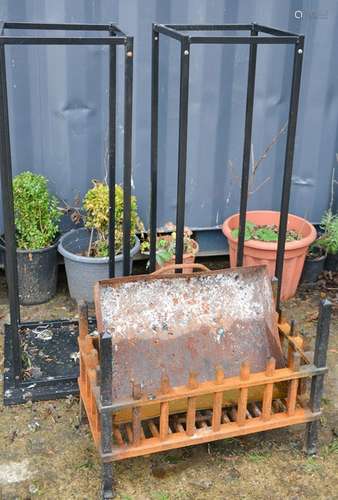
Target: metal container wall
column 58, row 105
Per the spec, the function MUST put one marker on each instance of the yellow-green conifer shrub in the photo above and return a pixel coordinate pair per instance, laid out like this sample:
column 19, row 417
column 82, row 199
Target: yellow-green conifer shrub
column 96, row 205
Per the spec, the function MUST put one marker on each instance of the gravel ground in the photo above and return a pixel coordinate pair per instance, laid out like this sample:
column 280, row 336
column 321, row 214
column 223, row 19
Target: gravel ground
column 46, row 454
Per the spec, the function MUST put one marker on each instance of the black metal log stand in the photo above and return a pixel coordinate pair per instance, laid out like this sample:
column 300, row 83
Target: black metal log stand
column 186, row 36
column 257, row 35
column 58, row 379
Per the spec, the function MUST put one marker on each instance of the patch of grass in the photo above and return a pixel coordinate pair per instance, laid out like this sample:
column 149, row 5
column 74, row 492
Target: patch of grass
column 258, row 456
column 173, row 459
column 326, row 401
column 332, row 448
column 311, row 465
column 87, row 464
column 160, row 495
column 231, row 440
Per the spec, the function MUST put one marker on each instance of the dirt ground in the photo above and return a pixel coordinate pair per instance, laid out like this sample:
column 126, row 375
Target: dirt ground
column 46, row 454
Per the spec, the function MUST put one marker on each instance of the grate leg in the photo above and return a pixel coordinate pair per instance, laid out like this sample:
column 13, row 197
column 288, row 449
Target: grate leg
column 107, row 481
column 317, row 384
column 311, row 437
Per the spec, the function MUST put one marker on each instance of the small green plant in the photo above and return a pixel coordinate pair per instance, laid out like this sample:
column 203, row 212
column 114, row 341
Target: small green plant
column 166, row 246
column 268, row 233
column 329, row 239
column 35, row 210
column 96, row 205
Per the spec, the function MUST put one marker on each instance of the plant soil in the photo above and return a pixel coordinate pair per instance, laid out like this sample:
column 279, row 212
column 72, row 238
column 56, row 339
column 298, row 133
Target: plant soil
column 46, row 454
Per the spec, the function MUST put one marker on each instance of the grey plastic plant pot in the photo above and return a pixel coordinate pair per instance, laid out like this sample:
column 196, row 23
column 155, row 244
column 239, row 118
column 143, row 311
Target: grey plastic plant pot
column 83, row 272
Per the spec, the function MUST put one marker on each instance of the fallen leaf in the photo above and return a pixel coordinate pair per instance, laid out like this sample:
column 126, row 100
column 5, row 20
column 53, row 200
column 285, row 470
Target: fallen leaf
column 312, row 316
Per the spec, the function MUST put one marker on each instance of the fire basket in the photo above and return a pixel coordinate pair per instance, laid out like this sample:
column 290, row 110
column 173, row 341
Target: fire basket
column 185, row 359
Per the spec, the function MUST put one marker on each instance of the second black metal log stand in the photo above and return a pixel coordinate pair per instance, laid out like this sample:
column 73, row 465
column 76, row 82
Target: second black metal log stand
column 210, row 34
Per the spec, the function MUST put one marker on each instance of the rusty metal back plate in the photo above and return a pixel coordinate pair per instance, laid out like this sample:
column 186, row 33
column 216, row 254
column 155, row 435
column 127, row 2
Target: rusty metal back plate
column 174, row 324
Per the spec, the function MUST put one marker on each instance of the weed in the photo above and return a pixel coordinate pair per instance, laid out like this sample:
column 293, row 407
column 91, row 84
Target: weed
column 173, row 459
column 332, row 448
column 311, row 465
column 258, row 456
column 326, row 401
column 87, row 464
column 160, row 495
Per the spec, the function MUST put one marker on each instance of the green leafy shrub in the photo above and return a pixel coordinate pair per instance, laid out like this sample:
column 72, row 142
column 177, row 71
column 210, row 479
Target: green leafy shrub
column 35, row 210
column 268, row 233
column 166, row 246
column 329, row 239
column 96, row 205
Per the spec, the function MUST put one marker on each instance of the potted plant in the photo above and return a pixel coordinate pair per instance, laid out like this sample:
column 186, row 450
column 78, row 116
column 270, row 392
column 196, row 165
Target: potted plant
column 37, row 224
column 85, row 250
column 314, row 262
column 329, row 240
column 166, row 247
column 260, row 246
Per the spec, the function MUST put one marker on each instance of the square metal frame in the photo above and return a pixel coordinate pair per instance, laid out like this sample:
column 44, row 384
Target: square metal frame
column 258, row 35
column 113, row 37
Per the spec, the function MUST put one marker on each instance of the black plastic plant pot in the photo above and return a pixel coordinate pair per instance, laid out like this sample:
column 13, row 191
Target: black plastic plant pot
column 37, row 274
column 331, row 263
column 312, row 269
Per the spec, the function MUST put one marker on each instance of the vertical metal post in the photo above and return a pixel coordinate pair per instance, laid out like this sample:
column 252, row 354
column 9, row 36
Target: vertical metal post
column 128, row 103
column 182, row 147
column 106, row 360
column 107, row 480
column 317, row 384
column 106, row 370
column 290, row 146
column 154, row 147
column 247, row 147
column 112, row 155
column 9, row 222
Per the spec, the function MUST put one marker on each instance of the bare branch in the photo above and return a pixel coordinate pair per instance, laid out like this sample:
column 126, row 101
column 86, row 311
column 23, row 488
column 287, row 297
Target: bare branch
column 267, row 179
column 333, row 182
column 267, row 150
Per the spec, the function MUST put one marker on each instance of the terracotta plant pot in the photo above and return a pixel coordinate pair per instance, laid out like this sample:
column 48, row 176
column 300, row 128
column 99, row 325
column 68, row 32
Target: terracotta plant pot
column 262, row 252
column 188, row 258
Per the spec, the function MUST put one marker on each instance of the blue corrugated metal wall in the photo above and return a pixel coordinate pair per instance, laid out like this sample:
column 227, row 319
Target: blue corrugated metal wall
column 58, row 104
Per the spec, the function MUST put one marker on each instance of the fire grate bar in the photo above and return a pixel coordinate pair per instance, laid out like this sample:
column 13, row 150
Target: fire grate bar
column 150, row 428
